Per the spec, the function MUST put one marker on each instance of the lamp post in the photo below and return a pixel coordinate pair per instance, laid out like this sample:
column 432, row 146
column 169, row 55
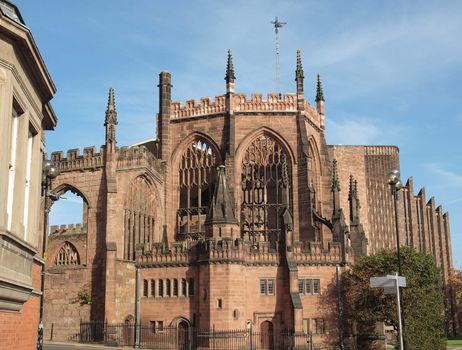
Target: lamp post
column 50, row 170
column 394, row 181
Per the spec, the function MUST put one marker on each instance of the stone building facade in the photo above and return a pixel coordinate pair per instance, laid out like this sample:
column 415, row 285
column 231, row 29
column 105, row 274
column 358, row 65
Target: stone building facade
column 238, row 214
column 26, row 89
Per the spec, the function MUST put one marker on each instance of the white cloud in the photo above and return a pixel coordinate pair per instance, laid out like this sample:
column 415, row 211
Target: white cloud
column 448, row 178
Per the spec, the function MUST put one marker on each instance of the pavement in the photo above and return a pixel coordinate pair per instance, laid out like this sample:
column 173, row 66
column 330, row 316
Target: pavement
column 74, row 346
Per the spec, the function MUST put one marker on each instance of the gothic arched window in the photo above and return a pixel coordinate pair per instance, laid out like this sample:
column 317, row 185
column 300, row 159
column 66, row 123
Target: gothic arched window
column 265, row 189
column 139, row 216
column 67, row 255
column 196, row 185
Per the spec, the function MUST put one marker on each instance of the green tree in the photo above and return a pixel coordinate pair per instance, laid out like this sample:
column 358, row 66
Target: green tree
column 422, row 299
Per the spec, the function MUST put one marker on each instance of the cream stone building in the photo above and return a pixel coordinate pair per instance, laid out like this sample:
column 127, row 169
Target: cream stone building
column 26, row 89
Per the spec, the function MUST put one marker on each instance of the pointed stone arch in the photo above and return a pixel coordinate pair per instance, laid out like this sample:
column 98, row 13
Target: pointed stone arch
column 264, row 169
column 141, row 213
column 196, row 160
column 67, row 255
column 315, row 167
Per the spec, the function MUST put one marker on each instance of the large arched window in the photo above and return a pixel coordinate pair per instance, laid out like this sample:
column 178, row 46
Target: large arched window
column 67, row 255
column 196, row 184
column 139, row 216
column 265, row 189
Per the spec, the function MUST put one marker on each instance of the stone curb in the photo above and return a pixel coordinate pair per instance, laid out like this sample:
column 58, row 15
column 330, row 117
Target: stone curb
column 86, row 345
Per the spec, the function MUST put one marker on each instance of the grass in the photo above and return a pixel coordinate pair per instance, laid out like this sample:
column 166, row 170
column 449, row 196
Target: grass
column 455, row 342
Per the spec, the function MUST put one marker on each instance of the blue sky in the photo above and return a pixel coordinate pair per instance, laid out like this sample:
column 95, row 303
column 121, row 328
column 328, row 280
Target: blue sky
column 391, row 71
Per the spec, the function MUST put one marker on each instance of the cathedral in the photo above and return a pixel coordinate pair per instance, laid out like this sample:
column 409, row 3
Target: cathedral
column 239, row 215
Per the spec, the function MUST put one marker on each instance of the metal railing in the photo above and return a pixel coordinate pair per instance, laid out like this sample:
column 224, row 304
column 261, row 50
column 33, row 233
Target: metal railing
column 183, row 338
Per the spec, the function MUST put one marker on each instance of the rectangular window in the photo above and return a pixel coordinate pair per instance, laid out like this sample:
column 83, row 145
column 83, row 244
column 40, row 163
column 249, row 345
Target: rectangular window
column 270, row 285
column 160, row 326
column 152, row 325
column 183, row 287
column 145, row 288
column 315, row 286
column 263, row 287
column 307, row 286
column 12, row 166
column 175, row 287
column 191, row 287
column 30, row 140
column 267, row 287
column 153, row 288
column 300, row 286
column 167, row 288
column 318, row 326
column 219, row 303
column 161, row 288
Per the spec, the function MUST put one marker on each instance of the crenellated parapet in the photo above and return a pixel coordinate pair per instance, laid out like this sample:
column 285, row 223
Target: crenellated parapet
column 90, row 159
column 315, row 253
column 135, row 157
column 288, row 103
column 229, row 250
column 192, row 109
column 69, row 229
column 241, row 103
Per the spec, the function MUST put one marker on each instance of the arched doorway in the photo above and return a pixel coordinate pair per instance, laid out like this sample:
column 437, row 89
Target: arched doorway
column 129, row 331
column 183, row 335
column 266, row 335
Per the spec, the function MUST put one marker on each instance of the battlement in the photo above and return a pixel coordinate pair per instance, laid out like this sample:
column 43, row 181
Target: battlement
column 136, row 156
column 272, row 103
column 89, row 160
column 235, row 250
column 69, row 229
column 191, row 108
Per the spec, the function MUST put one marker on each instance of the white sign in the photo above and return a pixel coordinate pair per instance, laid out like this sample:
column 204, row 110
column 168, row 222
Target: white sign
column 388, row 283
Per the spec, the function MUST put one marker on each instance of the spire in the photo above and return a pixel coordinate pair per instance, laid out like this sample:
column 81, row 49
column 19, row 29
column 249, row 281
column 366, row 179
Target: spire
column 320, row 101
column 335, row 182
column 335, row 189
column 319, row 92
column 230, row 68
column 110, row 122
column 299, row 76
column 111, row 114
column 299, row 71
column 354, row 201
column 222, row 206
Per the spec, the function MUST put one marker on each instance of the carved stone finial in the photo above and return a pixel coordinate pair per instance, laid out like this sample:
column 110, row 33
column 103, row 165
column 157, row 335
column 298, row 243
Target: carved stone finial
column 351, row 190
column 335, row 182
column 230, row 68
column 111, row 114
column 299, row 71
column 319, row 92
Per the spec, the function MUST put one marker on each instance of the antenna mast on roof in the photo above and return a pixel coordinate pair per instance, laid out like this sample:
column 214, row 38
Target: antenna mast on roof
column 277, row 25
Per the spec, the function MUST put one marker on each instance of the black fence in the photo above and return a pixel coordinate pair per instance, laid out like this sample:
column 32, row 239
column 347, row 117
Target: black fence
column 188, row 338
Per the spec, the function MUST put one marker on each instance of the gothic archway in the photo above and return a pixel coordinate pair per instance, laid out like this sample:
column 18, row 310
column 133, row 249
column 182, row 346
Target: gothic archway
column 140, row 212
column 196, row 183
column 265, row 189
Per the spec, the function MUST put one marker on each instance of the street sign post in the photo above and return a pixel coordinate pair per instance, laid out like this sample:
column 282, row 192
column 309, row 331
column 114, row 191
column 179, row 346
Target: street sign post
column 390, row 285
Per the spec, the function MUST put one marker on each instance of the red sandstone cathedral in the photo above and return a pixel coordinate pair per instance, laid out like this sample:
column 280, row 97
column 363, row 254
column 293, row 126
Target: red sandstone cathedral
column 238, row 216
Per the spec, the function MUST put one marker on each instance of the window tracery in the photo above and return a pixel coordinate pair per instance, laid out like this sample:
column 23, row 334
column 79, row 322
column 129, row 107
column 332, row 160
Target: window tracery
column 139, row 216
column 265, row 179
column 67, row 255
column 196, row 185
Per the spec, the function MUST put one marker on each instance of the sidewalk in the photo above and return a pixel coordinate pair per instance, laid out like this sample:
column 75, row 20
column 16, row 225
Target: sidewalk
column 77, row 345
